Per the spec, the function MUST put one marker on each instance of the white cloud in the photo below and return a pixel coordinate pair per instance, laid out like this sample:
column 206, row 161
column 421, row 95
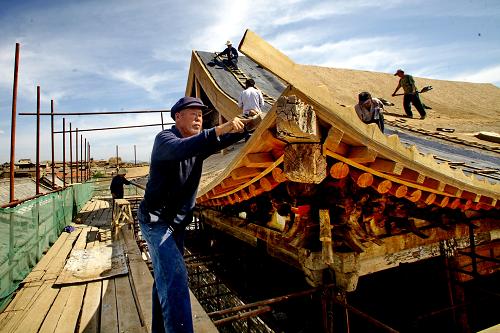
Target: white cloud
column 485, row 75
column 149, row 83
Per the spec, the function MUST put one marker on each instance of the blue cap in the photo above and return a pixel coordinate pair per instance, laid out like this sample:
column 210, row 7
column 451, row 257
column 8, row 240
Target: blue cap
column 186, row 102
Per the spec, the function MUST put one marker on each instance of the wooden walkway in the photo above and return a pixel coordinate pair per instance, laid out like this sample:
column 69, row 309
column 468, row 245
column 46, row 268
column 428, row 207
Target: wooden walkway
column 120, row 303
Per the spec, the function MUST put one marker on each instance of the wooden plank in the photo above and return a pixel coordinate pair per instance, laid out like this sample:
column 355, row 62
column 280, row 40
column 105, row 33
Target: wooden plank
column 270, row 141
column 258, row 160
column 230, row 183
column 387, row 166
column 57, row 264
column 201, row 321
column 33, row 318
column 245, row 173
column 140, row 278
column 69, row 316
column 40, row 268
column 22, row 298
column 51, row 320
column 362, row 154
column 109, row 314
column 92, row 264
column 128, row 317
column 91, row 310
column 333, row 139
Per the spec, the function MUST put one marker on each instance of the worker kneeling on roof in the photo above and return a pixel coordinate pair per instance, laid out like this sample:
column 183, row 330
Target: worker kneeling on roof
column 370, row 109
column 175, row 172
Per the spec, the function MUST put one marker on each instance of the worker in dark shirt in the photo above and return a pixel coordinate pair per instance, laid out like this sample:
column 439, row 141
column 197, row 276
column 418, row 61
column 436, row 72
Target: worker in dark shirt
column 117, row 183
column 410, row 94
column 231, row 54
column 174, row 176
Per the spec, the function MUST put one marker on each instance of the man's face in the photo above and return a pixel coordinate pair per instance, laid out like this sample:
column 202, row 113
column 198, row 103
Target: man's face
column 189, row 121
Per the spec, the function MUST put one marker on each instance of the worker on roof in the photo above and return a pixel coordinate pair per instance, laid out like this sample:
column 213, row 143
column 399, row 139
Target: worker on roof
column 410, row 94
column 231, row 55
column 370, row 109
column 175, row 172
column 251, row 100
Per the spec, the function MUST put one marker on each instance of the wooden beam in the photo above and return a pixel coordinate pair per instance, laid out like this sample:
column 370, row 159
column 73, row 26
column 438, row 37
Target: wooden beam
column 325, row 236
column 267, row 183
column 333, row 139
column 278, row 175
column 258, row 160
column 412, row 176
column 362, row 154
column 296, row 121
column 230, row 182
column 399, row 191
column 271, row 142
column 339, row 170
column 362, row 179
column 244, row 173
column 304, row 163
column 382, row 185
column 414, row 195
column 387, row 166
column 197, row 88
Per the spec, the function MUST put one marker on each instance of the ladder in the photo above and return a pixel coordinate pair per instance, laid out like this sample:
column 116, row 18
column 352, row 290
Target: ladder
column 241, row 77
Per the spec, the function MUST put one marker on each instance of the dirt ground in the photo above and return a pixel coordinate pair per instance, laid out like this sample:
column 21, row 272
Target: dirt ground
column 467, row 108
column 136, row 172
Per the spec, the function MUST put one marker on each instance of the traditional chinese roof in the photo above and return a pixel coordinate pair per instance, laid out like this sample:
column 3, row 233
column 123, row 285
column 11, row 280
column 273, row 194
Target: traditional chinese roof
column 258, row 164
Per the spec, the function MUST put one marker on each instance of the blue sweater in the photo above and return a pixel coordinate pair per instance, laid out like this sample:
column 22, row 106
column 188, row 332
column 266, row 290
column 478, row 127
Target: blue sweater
column 175, row 171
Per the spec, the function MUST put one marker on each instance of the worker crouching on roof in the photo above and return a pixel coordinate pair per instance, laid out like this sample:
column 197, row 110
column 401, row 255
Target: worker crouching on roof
column 231, row 54
column 370, row 110
column 175, row 172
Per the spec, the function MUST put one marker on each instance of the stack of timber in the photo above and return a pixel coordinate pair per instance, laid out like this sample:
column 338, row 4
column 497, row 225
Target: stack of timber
column 325, row 191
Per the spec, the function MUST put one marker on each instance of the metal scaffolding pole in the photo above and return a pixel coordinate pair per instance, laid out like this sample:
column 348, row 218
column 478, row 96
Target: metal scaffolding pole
column 13, row 125
column 92, row 113
column 76, row 153
column 81, row 158
column 85, row 160
column 52, row 142
column 70, row 155
column 64, row 152
column 37, row 162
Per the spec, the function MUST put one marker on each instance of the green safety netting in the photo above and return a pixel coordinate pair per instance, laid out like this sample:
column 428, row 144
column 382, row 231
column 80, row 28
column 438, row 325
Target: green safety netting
column 28, row 229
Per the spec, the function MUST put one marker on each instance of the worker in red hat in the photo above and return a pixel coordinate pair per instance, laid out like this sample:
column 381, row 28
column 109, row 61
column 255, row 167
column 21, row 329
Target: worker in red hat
column 174, row 174
column 410, row 94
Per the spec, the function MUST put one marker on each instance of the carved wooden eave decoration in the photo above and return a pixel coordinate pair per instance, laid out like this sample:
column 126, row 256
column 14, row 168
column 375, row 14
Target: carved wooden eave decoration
column 308, row 141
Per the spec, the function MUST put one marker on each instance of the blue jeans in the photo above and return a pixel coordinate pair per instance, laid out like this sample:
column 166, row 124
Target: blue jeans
column 171, row 303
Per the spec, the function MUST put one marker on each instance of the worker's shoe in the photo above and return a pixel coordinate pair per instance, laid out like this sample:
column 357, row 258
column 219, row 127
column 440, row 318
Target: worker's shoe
column 422, row 117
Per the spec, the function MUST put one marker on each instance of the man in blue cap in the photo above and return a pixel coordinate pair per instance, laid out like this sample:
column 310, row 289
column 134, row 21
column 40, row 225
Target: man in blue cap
column 174, row 175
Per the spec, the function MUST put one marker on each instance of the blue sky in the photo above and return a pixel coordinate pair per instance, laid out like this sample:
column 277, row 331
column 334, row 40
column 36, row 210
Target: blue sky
column 112, row 55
